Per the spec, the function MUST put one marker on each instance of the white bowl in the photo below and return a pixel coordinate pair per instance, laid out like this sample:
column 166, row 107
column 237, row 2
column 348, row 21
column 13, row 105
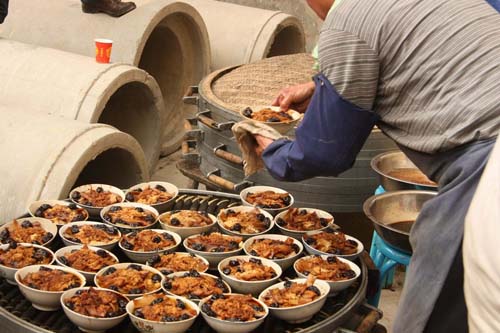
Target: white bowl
column 312, row 250
column 249, row 287
column 226, row 326
column 300, row 313
column 43, row 300
column 185, row 232
column 94, row 211
column 335, row 286
column 45, row 224
column 105, row 246
column 125, row 265
column 283, row 263
column 169, row 276
column 147, row 326
column 143, row 256
column 213, row 258
column 298, row 234
column 8, row 272
column 163, row 206
column 281, row 127
column 244, row 209
column 182, row 254
column 125, row 228
column 87, row 323
column 257, row 189
column 67, row 249
column 35, row 205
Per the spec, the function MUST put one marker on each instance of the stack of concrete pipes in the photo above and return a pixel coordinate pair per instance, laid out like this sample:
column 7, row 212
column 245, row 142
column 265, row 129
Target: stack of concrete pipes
column 67, row 120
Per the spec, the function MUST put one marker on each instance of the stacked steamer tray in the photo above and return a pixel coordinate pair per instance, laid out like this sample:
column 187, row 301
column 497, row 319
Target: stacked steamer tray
column 344, row 308
column 210, row 147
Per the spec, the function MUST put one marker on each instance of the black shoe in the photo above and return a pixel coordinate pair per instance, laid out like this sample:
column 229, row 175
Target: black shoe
column 114, row 8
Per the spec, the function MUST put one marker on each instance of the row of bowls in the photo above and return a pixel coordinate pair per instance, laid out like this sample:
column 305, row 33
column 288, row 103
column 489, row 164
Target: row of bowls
column 49, row 301
column 159, row 207
column 212, row 258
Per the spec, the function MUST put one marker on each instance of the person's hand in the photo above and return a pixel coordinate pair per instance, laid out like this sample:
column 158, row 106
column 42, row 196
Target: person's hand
column 262, row 143
column 295, row 97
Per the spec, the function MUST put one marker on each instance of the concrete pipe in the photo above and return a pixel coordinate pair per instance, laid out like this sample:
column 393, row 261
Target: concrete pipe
column 166, row 38
column 241, row 34
column 73, row 86
column 44, row 157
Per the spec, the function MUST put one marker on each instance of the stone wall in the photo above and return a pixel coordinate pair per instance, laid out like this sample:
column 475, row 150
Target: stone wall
column 298, row 8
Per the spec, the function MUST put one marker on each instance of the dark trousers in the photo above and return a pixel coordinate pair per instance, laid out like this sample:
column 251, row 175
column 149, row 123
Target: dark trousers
column 450, row 312
column 433, row 297
column 4, row 10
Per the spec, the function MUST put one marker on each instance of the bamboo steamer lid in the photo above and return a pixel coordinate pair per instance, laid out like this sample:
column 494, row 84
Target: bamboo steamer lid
column 258, row 83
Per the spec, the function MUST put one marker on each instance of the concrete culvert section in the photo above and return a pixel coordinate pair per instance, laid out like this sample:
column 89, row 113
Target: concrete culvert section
column 50, row 81
column 166, row 38
column 44, row 157
column 241, row 34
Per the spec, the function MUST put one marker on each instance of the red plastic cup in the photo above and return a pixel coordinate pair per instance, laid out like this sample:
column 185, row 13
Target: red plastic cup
column 103, row 50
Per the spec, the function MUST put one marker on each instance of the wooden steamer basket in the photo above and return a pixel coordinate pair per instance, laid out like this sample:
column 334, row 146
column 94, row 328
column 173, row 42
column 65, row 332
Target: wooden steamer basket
column 212, row 156
column 347, row 310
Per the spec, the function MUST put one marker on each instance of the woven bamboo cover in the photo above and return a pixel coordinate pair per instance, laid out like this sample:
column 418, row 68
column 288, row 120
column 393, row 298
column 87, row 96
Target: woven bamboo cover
column 258, row 83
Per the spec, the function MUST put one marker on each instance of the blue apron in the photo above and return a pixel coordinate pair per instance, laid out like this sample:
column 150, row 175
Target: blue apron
column 327, row 140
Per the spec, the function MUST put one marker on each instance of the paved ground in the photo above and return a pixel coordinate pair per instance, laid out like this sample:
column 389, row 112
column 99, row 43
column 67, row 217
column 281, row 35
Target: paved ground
column 167, row 171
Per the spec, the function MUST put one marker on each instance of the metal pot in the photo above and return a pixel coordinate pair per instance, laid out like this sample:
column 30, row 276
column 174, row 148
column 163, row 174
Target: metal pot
column 393, row 214
column 386, row 162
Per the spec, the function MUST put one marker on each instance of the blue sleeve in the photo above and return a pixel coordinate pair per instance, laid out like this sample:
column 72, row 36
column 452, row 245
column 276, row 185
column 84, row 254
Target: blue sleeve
column 327, row 141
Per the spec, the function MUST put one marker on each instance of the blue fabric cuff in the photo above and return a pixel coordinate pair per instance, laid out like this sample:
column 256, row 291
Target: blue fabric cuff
column 327, row 141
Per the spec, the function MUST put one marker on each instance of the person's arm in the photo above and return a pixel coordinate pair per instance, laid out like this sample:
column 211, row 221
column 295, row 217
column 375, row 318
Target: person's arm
column 295, row 97
column 338, row 120
column 4, row 10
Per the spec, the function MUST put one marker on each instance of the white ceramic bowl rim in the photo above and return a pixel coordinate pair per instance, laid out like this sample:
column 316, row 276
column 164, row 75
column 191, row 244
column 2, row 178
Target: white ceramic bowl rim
column 39, row 203
column 291, row 112
column 81, row 223
column 152, row 184
column 41, row 220
column 187, row 254
column 212, row 253
column 280, row 215
column 300, row 280
column 124, row 265
column 185, row 300
column 262, row 188
column 78, row 247
column 28, row 245
column 266, row 262
column 153, row 210
column 246, row 209
column 212, row 218
column 177, row 240
column 360, row 247
column 89, row 317
column 109, row 188
column 181, row 274
column 83, row 281
column 264, row 306
column 355, row 268
column 295, row 241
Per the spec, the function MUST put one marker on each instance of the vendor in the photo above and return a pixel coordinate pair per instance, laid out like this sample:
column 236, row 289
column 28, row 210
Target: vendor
column 427, row 73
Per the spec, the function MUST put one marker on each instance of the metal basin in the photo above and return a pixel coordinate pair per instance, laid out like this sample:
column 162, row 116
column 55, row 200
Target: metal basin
column 393, row 214
column 407, row 178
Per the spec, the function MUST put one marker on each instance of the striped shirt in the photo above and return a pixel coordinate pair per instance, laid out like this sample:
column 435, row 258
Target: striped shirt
column 429, row 68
